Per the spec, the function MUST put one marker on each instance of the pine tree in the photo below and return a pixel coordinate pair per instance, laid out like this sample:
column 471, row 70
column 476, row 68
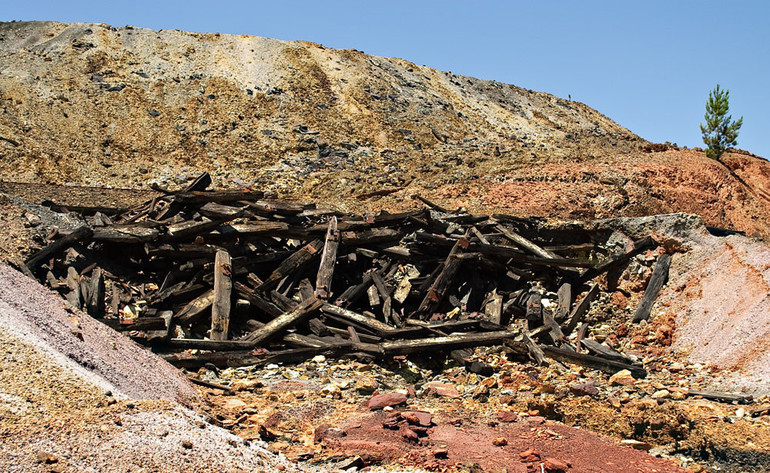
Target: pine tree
column 720, row 132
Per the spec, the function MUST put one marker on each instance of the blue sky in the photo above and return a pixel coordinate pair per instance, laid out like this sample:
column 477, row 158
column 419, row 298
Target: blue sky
column 648, row 65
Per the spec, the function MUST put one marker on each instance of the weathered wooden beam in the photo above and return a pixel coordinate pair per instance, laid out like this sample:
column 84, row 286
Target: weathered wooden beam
column 723, row 397
column 437, row 291
column 140, row 323
column 217, row 211
column 190, row 228
column 95, row 302
column 126, row 234
column 603, row 351
column 223, row 286
column 526, row 244
column 564, row 300
column 199, row 197
column 281, row 323
column 323, row 285
column 291, row 264
column 195, row 308
column 494, row 307
column 657, row 280
column 380, row 328
column 534, row 350
column 430, row 204
column 516, row 256
column 80, row 233
column 448, row 343
column 618, row 259
column 593, row 362
column 580, row 309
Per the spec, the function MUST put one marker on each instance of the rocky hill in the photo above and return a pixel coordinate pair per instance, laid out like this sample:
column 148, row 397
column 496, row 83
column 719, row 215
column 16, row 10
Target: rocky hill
column 97, row 105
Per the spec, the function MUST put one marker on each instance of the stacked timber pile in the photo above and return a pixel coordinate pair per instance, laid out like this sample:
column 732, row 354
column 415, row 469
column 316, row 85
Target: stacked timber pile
column 234, row 278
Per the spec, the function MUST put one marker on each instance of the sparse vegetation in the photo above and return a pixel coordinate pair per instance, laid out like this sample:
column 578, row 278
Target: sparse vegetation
column 720, row 132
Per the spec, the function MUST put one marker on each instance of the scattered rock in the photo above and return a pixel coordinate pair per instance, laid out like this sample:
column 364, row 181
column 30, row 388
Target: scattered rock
column 507, row 416
column 442, row 390
column 187, row 444
column 499, row 441
column 380, row 401
column 636, row 444
column 553, row 465
column 622, row 378
column 421, row 418
column 584, row 389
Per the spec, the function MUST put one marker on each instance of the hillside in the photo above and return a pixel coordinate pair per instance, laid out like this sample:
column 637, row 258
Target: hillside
column 97, row 105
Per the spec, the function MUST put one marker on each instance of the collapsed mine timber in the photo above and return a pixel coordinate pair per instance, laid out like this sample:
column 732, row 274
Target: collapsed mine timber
column 234, row 278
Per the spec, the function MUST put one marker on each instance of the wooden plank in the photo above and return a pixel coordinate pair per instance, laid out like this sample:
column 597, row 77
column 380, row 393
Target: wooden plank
column 95, row 302
column 190, row 228
column 494, row 307
column 564, row 296
column 126, row 234
column 603, row 351
column 140, row 323
column 580, row 310
column 195, row 308
column 430, row 204
column 534, row 350
column 297, row 260
column 593, row 362
column 437, row 291
column 281, row 323
column 516, row 256
column 266, row 228
column 448, row 343
column 525, row 244
column 323, row 285
column 380, row 328
column 723, row 397
column 217, row 211
column 614, row 261
column 222, row 196
column 79, row 234
column 74, row 296
column 223, row 286
column 657, row 280
column 534, row 310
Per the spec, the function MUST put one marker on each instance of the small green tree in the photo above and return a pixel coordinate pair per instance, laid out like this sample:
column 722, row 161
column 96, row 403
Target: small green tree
column 720, row 132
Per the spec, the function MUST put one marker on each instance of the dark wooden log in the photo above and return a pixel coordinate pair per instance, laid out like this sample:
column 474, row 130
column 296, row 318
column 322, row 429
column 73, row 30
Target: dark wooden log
column 370, row 237
column 554, row 329
column 534, row 310
column 223, row 286
column 516, row 256
column 252, row 229
column 580, row 310
column 640, row 246
column 437, row 291
column 298, row 260
column 243, row 358
column 74, row 296
column 522, row 242
column 139, row 323
column 125, row 234
column 564, row 296
column 534, row 350
column 217, row 211
column 79, row 234
column 96, row 293
column 195, row 308
column 723, row 397
column 448, row 343
column 430, row 204
column 223, row 196
column 593, row 362
column 281, row 323
column 603, row 351
column 190, row 228
column 380, row 328
column 328, row 259
column 657, row 280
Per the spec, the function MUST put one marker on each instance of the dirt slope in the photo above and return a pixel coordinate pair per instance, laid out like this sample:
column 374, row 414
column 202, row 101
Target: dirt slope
column 76, row 396
column 98, row 105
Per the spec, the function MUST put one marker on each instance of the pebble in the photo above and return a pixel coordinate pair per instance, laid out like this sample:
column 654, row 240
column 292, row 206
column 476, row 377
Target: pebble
column 555, row 466
column 499, row 441
column 622, row 378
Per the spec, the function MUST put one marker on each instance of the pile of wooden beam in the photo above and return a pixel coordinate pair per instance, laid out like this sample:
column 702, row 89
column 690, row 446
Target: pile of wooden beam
column 235, row 278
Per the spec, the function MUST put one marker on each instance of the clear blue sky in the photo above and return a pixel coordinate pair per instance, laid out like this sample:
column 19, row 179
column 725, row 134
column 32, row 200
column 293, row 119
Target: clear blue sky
column 649, row 65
